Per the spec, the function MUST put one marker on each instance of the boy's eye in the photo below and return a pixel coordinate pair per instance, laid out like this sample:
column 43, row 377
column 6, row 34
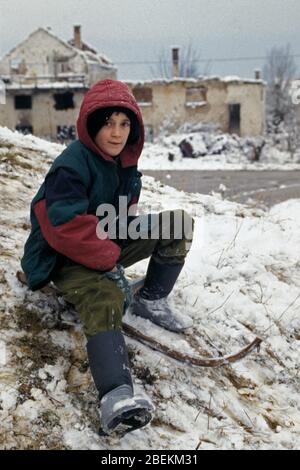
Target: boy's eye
column 125, row 124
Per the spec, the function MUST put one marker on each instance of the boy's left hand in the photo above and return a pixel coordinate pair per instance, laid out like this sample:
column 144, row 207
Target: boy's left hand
column 117, row 274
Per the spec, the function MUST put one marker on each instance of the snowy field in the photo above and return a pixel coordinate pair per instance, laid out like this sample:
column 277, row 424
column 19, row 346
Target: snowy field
column 241, row 280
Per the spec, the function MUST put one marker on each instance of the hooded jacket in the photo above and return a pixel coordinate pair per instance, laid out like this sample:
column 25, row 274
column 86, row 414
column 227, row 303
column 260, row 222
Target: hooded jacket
column 63, row 212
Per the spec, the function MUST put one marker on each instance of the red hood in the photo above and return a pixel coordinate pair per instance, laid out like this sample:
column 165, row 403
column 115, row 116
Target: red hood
column 103, row 94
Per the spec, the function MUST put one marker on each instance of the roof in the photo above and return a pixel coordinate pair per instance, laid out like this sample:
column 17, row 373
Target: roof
column 88, row 53
column 40, row 29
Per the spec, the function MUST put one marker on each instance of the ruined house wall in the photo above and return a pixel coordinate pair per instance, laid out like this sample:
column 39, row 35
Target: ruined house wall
column 43, row 117
column 176, row 103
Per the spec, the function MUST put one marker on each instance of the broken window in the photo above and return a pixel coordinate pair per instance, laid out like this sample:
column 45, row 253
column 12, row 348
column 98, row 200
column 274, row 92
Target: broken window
column 143, row 95
column 196, row 96
column 59, row 63
column 18, row 66
column 25, row 129
column 234, row 118
column 65, row 133
column 62, row 67
column 64, row 100
column 23, row 102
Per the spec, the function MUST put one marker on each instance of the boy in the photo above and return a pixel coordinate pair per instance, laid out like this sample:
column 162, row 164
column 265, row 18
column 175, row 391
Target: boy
column 87, row 265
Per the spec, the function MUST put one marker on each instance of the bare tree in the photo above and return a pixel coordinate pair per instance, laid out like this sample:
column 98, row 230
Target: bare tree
column 279, row 71
column 189, row 63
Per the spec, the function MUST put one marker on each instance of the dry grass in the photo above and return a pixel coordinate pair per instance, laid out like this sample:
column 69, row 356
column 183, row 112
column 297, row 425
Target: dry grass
column 15, row 160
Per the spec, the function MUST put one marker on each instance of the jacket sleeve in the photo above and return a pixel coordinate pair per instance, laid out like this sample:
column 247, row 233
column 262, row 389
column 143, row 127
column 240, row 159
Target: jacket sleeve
column 67, row 227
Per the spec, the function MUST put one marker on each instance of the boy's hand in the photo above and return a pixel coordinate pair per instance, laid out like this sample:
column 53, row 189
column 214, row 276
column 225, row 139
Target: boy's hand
column 117, row 275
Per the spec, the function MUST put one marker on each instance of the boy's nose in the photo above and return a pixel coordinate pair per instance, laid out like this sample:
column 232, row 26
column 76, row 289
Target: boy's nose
column 116, row 130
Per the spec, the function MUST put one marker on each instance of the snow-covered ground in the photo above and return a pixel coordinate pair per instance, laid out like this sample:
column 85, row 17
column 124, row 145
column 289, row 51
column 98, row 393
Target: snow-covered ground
column 241, row 279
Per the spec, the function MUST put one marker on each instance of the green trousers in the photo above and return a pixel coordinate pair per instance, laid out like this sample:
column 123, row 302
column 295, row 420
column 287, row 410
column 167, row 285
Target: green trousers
column 97, row 299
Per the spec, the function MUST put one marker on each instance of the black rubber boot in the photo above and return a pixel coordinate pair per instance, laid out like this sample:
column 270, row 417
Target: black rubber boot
column 151, row 303
column 108, row 360
column 120, row 410
column 160, row 280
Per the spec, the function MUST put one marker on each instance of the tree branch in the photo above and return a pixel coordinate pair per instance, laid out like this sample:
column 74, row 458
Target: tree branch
column 163, row 348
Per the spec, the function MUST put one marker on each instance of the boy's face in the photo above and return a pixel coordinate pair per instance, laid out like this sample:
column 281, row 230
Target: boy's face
column 112, row 137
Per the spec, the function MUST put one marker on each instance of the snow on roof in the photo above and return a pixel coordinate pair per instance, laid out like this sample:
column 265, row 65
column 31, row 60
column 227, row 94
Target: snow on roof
column 161, row 81
column 91, row 54
column 236, row 78
column 169, row 81
column 91, row 58
column 46, row 85
column 84, row 46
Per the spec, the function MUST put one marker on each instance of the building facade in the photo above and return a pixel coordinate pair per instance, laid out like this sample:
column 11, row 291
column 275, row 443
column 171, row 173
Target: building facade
column 232, row 104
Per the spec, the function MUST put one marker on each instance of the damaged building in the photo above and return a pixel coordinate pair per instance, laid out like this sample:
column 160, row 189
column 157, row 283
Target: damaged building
column 233, row 104
column 46, row 78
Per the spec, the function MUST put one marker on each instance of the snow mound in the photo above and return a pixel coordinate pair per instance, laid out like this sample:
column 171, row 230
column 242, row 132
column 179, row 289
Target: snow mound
column 204, row 147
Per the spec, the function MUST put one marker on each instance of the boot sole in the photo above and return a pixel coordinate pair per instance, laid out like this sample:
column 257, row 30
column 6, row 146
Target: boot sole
column 127, row 422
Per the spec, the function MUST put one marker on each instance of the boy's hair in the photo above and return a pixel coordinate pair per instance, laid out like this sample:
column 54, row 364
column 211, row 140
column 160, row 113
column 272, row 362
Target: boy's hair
column 99, row 117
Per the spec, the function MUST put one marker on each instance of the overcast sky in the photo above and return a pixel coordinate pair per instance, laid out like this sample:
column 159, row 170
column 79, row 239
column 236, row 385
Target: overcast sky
column 137, row 30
